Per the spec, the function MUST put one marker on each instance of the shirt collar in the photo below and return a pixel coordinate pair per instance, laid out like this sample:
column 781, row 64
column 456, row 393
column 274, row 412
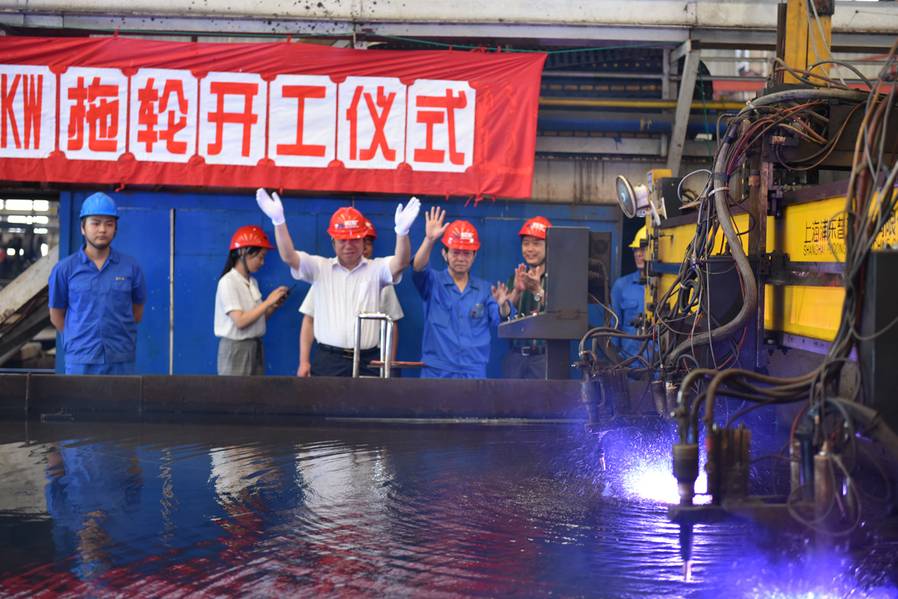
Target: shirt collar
column 335, row 263
column 448, row 280
column 236, row 275
column 113, row 256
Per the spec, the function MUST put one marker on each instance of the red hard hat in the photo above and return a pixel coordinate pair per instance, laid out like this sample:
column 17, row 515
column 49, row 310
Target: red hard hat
column 461, row 235
column 250, row 236
column 371, row 232
column 347, row 223
column 535, row 227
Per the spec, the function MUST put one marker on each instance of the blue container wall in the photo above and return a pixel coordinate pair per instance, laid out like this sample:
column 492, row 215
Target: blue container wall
column 199, row 227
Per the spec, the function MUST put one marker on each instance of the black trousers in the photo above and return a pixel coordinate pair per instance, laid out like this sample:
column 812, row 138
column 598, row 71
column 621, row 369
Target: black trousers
column 517, row 366
column 328, row 361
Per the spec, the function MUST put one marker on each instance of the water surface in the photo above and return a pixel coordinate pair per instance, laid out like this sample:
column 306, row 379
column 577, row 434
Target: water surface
column 433, row 511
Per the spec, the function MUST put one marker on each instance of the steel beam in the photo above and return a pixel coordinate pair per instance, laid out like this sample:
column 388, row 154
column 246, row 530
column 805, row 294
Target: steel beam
column 598, row 145
column 24, row 331
column 730, row 14
column 730, row 24
column 684, row 105
column 666, row 76
column 195, row 398
column 615, row 146
column 632, row 103
column 27, row 285
column 680, row 51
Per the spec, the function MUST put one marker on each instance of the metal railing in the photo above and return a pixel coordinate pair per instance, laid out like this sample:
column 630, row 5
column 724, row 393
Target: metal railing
column 386, row 343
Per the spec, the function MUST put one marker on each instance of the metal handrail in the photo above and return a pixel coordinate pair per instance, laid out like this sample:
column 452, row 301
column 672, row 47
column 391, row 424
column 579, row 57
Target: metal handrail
column 386, row 342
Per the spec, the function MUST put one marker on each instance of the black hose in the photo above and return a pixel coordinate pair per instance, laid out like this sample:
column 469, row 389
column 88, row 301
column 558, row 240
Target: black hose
column 749, row 284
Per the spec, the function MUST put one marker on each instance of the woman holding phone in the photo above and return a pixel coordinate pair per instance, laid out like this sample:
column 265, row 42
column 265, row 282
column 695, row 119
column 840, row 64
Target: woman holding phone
column 240, row 311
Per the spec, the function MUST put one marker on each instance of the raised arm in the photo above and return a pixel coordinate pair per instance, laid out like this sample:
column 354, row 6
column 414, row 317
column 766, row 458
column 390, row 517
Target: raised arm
column 433, row 230
column 285, row 246
column 403, row 221
column 273, row 208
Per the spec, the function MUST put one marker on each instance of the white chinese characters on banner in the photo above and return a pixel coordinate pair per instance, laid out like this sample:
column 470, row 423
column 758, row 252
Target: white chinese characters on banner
column 162, row 126
column 371, row 122
column 92, row 113
column 440, row 126
column 27, row 111
column 233, row 107
column 303, row 111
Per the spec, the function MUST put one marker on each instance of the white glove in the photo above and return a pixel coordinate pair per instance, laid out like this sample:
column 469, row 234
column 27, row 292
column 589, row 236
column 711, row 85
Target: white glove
column 406, row 216
column 271, row 206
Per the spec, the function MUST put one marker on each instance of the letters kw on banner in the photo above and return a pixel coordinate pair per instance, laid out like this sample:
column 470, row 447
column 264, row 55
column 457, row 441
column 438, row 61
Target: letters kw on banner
column 168, row 115
column 27, row 112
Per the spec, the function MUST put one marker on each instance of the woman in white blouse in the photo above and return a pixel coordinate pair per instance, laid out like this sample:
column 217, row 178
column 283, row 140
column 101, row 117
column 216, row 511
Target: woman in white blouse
column 240, row 311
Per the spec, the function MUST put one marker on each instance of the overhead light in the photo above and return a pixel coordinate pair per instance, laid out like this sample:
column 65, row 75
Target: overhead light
column 27, row 220
column 19, row 204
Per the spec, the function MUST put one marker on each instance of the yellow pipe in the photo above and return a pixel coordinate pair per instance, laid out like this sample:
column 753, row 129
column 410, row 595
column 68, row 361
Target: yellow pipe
column 626, row 103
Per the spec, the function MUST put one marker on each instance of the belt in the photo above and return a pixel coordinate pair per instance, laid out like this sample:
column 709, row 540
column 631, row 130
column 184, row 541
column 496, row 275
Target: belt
column 346, row 351
column 531, row 350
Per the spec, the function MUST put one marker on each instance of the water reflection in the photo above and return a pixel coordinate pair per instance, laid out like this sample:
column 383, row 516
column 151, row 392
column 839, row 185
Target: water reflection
column 94, row 497
column 23, row 462
column 522, row 511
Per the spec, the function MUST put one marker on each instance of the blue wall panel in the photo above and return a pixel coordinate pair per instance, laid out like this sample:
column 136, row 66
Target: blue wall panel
column 204, row 224
column 147, row 228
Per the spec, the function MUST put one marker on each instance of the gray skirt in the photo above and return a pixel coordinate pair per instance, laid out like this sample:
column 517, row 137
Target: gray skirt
column 241, row 358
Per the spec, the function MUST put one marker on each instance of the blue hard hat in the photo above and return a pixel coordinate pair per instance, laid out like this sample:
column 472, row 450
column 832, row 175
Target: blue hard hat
column 98, row 204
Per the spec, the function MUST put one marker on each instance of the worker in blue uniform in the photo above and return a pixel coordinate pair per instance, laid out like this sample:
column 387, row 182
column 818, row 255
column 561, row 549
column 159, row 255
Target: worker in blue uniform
column 628, row 297
column 460, row 310
column 97, row 296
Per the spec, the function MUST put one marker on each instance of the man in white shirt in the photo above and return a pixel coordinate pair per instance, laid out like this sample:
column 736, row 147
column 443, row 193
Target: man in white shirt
column 389, row 305
column 345, row 285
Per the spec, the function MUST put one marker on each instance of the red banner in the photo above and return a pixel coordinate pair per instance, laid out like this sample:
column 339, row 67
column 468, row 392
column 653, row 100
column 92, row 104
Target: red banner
column 279, row 115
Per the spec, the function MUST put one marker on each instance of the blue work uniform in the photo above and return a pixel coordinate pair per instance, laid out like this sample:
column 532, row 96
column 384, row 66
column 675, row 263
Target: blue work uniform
column 457, row 325
column 100, row 334
column 628, row 302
